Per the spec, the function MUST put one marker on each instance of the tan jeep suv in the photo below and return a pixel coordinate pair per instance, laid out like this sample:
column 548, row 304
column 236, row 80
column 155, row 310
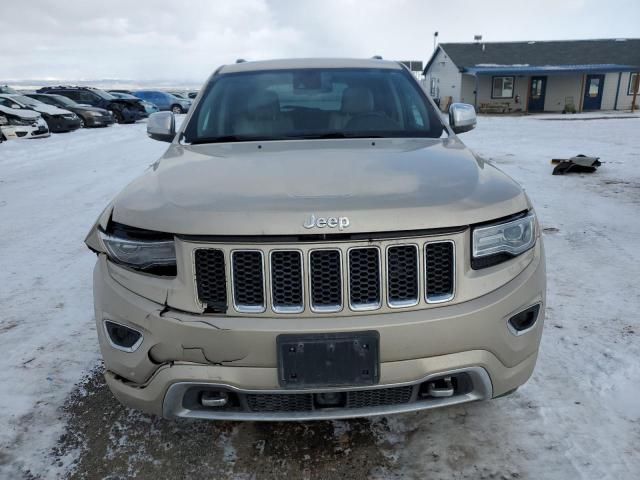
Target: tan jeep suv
column 316, row 243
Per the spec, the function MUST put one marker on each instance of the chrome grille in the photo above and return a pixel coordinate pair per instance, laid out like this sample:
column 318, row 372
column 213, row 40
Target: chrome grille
column 212, row 283
column 326, row 280
column 364, row 278
column 286, row 281
column 248, row 281
column 402, row 275
column 439, row 261
column 344, row 276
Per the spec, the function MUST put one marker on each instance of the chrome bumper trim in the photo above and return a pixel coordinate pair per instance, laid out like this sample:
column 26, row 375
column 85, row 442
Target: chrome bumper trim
column 173, row 405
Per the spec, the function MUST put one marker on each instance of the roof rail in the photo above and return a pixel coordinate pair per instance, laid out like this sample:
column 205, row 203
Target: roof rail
column 377, row 57
column 240, row 60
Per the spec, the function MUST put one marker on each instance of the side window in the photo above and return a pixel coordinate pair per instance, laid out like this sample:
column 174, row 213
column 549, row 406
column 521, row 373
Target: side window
column 86, row 97
column 72, row 95
column 160, row 99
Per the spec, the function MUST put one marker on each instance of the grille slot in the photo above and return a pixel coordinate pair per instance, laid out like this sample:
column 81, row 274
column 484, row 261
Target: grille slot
column 364, row 278
column 248, row 281
column 304, row 402
column 379, row 397
column 212, row 283
column 292, row 402
column 402, row 275
column 286, row 281
column 326, row 280
column 439, row 272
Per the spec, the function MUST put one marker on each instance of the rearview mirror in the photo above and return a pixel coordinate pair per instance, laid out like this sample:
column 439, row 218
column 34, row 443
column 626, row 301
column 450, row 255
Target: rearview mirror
column 162, row 126
column 462, row 117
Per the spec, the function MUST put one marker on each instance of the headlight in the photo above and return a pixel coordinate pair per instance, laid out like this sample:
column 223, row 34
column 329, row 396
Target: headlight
column 94, row 114
column 148, row 255
column 494, row 244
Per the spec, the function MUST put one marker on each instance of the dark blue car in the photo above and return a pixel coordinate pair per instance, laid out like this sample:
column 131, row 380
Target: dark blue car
column 164, row 100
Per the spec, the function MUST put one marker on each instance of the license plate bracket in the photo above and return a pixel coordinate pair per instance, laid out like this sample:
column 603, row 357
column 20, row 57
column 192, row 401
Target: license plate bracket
column 328, row 359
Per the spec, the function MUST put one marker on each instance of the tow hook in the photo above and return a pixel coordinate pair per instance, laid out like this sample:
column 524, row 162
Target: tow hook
column 214, row 399
column 440, row 388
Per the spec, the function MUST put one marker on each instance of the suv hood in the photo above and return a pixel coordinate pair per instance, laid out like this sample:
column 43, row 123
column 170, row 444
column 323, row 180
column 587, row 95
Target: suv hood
column 271, row 188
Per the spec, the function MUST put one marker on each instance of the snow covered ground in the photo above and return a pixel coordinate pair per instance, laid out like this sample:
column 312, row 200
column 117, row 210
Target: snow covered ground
column 578, row 417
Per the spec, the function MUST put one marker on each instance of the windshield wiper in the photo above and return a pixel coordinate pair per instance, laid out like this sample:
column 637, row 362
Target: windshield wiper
column 227, row 138
column 333, row 135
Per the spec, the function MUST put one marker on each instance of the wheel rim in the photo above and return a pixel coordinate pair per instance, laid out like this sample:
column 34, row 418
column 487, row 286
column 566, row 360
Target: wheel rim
column 81, row 123
column 177, row 109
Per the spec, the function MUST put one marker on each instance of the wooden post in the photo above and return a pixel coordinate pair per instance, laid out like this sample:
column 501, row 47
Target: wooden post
column 635, row 92
column 584, row 79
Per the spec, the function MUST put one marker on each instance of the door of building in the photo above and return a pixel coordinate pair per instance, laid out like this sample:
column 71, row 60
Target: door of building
column 537, row 93
column 593, row 92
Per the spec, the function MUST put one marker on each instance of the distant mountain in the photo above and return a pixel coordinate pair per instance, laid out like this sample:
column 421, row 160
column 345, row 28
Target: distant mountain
column 106, row 83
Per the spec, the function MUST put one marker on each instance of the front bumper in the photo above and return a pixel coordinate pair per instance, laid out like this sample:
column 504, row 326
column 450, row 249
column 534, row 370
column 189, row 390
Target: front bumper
column 59, row 124
column 181, row 350
column 103, row 121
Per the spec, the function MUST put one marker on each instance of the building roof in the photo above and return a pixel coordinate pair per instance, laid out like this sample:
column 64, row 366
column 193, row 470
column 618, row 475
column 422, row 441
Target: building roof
column 294, row 63
column 557, row 56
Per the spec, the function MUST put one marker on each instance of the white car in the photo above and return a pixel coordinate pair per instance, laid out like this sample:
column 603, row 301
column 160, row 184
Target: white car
column 58, row 119
column 21, row 123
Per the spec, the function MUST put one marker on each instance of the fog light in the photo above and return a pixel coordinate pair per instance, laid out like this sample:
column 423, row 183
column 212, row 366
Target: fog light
column 524, row 321
column 122, row 337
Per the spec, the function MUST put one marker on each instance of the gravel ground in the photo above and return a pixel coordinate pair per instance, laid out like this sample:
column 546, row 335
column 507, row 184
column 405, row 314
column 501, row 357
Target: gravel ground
column 578, row 417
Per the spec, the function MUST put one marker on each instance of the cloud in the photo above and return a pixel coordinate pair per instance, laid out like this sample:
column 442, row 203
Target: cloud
column 171, row 40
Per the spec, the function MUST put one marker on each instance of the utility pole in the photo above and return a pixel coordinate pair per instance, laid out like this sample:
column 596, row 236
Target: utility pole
column 635, row 92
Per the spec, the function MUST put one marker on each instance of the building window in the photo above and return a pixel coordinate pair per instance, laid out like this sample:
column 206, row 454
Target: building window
column 632, row 82
column 502, row 87
column 433, row 88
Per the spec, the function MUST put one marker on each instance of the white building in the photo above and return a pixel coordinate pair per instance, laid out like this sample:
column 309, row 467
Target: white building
column 549, row 76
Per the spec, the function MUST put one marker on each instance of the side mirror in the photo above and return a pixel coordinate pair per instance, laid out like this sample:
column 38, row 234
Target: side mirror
column 462, row 117
column 161, row 126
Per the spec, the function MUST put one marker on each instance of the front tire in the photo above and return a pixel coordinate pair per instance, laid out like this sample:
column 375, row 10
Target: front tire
column 177, row 109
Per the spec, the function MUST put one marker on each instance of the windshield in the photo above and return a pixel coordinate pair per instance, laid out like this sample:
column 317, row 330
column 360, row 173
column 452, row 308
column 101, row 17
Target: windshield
column 104, row 95
column 313, row 103
column 64, row 100
column 125, row 96
column 32, row 102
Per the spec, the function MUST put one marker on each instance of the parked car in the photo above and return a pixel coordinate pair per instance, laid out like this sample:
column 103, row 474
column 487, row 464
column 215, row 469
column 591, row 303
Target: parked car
column 58, row 119
column 148, row 106
column 186, row 94
column 7, row 89
column 89, row 116
column 21, row 123
column 316, row 242
column 124, row 111
column 164, row 100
